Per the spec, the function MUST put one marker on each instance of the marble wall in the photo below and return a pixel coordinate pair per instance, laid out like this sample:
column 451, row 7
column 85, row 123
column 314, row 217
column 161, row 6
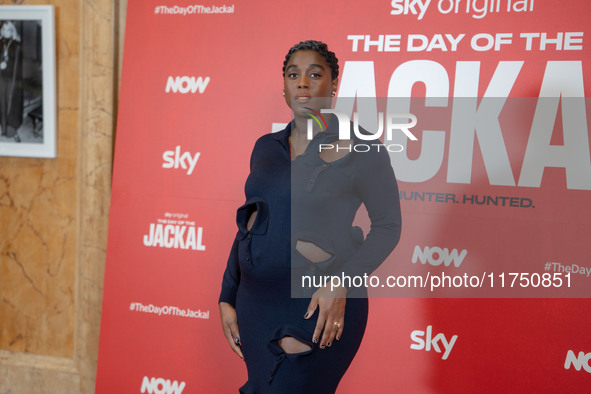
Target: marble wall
column 54, row 214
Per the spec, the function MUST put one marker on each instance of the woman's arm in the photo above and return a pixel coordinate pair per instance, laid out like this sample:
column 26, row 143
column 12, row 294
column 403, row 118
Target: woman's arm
column 227, row 300
column 231, row 277
column 376, row 186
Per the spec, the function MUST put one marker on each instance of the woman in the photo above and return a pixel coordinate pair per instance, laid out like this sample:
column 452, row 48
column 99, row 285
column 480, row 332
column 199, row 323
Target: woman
column 11, row 89
column 297, row 221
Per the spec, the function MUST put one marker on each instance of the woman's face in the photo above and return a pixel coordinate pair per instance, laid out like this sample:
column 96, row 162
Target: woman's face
column 308, row 82
column 7, row 30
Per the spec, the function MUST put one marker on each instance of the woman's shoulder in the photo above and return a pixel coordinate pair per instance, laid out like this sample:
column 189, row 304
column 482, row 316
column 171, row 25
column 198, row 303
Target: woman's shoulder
column 273, row 138
column 270, row 146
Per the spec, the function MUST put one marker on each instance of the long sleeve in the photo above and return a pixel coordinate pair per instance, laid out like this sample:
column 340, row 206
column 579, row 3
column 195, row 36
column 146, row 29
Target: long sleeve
column 231, row 277
column 375, row 185
column 253, row 191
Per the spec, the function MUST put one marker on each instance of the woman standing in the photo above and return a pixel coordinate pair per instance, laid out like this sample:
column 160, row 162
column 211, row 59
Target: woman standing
column 11, row 87
column 297, row 221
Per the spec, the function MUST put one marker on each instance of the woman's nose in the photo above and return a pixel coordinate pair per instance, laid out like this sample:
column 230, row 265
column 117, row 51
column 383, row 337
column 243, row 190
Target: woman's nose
column 303, row 82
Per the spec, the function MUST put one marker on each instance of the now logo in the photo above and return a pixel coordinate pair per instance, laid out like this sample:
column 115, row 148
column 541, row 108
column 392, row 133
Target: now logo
column 161, row 386
column 175, row 159
column 436, row 256
column 581, row 361
column 185, row 85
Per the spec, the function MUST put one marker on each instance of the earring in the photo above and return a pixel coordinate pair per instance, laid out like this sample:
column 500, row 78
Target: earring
column 333, row 94
column 284, row 93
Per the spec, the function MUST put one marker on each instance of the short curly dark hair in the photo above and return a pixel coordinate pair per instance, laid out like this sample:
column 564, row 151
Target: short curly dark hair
column 319, row 47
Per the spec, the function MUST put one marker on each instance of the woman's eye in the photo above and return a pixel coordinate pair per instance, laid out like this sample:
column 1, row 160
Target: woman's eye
column 315, row 75
column 292, row 75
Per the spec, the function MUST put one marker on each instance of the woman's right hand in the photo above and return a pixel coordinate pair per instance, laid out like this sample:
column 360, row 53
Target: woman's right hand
column 230, row 327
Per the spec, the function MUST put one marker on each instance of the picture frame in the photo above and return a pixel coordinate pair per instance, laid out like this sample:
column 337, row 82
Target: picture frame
column 27, row 82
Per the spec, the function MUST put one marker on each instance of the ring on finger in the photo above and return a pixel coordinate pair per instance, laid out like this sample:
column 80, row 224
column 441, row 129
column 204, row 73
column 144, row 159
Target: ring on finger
column 336, row 323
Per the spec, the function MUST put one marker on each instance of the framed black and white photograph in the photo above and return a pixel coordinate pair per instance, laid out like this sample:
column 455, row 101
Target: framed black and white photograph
column 27, row 82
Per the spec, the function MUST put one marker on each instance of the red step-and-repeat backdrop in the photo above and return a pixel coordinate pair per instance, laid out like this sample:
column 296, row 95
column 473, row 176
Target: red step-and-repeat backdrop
column 495, row 193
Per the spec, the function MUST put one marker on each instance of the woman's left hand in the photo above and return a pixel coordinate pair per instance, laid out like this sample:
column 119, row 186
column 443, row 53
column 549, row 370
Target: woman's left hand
column 331, row 314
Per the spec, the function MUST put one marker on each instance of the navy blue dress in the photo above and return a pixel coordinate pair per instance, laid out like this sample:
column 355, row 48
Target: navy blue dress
column 311, row 200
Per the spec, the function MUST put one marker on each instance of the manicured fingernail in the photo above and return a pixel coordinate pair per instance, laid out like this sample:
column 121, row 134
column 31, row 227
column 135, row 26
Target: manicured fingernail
column 315, row 340
column 338, row 338
column 322, row 346
column 306, row 315
column 328, row 344
column 236, row 340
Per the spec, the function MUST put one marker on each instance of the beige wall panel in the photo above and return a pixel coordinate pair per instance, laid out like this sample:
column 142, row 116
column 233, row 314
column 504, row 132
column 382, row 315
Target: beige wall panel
column 39, row 228
column 54, row 216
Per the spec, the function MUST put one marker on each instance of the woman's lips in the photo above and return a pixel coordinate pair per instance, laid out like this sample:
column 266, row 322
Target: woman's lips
column 302, row 99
